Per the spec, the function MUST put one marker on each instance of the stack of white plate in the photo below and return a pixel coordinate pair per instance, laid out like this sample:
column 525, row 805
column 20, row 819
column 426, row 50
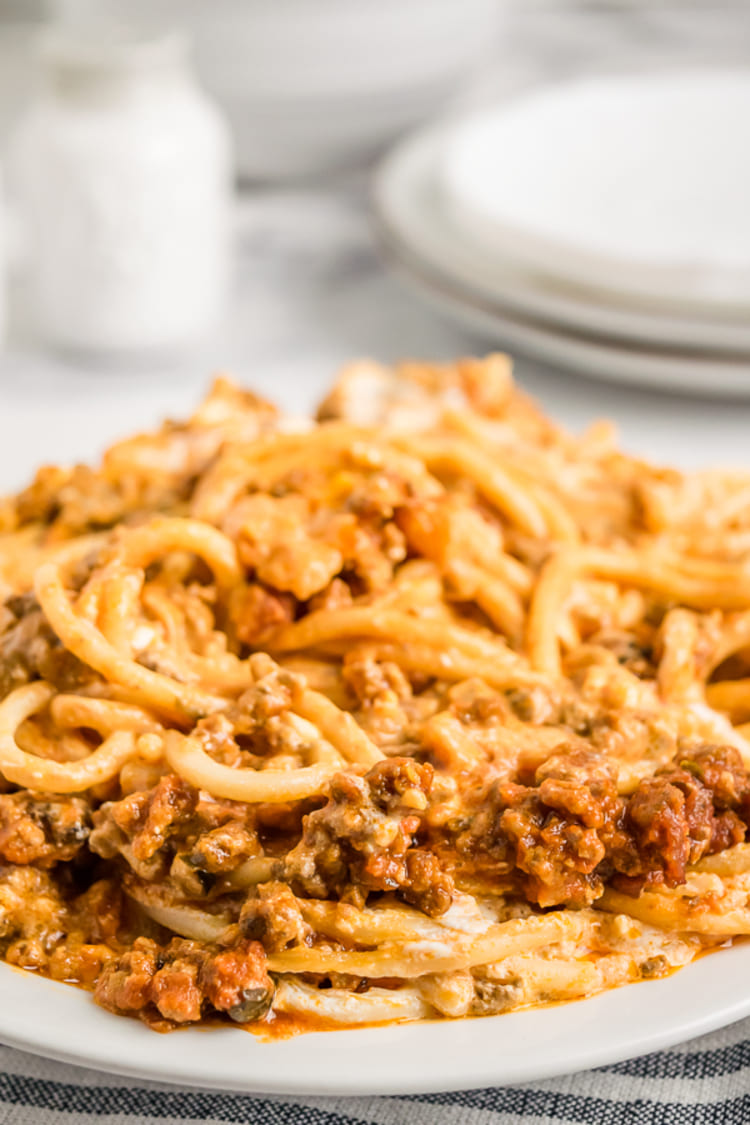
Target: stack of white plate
column 602, row 225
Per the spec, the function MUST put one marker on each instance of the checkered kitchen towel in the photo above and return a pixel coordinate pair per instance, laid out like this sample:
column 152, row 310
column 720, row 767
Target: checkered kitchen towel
column 705, row 1082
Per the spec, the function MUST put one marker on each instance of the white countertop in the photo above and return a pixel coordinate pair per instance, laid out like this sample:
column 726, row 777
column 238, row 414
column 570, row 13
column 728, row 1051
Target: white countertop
column 310, row 293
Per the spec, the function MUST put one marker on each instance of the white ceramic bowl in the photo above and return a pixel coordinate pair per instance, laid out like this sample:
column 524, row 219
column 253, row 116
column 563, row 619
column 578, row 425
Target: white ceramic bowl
column 312, row 85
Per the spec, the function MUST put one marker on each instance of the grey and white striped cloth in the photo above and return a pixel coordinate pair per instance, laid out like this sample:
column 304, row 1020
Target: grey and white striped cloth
column 704, row 1082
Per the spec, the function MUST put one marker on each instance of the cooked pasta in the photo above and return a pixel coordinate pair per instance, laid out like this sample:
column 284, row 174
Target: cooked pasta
column 425, row 709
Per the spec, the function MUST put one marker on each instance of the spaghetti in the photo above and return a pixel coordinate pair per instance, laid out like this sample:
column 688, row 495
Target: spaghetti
column 425, row 709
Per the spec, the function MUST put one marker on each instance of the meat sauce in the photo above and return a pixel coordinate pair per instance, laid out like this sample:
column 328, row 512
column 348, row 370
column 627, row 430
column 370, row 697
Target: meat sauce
column 559, row 841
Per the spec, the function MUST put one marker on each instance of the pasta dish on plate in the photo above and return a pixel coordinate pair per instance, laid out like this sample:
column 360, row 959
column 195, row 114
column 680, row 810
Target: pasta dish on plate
column 423, row 709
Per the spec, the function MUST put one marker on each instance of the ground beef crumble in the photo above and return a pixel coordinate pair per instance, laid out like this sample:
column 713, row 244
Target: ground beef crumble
column 42, row 828
column 271, row 915
column 183, row 981
column 30, row 650
column 567, row 835
column 365, row 839
column 68, row 936
column 172, row 832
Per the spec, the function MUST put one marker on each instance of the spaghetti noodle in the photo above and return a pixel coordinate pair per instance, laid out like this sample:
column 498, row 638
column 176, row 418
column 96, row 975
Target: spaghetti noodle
column 425, row 709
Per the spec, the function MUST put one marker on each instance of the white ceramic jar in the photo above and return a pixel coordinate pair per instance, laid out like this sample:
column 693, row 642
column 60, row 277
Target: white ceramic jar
column 123, row 173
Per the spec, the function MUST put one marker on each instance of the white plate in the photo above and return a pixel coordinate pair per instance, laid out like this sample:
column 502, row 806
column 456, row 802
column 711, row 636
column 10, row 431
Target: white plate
column 580, row 354
column 409, row 206
column 63, row 1023
column 636, row 184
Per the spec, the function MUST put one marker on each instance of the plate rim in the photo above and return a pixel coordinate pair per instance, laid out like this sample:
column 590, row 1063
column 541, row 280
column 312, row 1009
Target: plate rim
column 461, row 1054
column 579, row 354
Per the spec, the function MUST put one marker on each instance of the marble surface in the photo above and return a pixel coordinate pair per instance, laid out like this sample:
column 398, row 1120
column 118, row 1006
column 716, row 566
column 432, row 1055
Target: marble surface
column 310, row 291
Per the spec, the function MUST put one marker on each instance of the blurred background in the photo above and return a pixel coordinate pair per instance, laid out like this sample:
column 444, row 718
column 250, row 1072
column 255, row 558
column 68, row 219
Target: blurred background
column 272, row 187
